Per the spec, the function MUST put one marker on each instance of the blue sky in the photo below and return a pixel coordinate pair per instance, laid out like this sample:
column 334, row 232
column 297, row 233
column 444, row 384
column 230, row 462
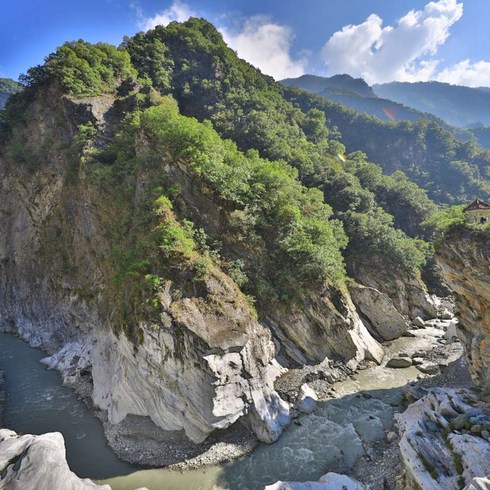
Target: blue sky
column 380, row 40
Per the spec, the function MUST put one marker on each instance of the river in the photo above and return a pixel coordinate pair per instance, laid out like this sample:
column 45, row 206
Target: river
column 331, row 439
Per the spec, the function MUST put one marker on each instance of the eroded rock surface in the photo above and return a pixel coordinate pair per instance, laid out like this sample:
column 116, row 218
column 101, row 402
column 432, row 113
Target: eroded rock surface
column 205, row 361
column 31, row 462
column 464, row 257
column 439, row 447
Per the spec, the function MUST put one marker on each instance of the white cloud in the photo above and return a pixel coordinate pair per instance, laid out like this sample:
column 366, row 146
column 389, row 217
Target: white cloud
column 467, row 73
column 402, row 52
column 177, row 11
column 267, row 46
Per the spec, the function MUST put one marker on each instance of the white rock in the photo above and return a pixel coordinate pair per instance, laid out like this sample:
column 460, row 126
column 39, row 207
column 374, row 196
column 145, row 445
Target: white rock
column 478, row 484
column 42, row 464
column 307, row 399
column 418, row 322
column 428, row 453
column 451, row 331
column 384, row 320
column 329, row 481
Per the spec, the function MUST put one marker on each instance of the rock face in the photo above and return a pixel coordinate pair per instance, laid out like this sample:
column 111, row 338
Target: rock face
column 38, row 463
column 384, row 321
column 464, row 257
column 435, row 452
column 329, row 481
column 206, row 361
column 408, row 293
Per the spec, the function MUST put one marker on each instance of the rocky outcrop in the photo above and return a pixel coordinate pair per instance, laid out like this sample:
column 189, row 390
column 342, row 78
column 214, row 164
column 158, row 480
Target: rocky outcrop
column 206, row 361
column 443, row 442
column 31, row 462
column 329, row 481
column 382, row 319
column 407, row 291
column 464, row 256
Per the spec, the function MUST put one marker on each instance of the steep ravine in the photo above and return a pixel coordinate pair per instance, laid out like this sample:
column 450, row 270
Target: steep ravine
column 445, row 434
column 208, row 361
column 464, row 256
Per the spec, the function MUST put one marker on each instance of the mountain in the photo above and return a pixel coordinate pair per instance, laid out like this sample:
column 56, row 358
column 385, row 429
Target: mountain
column 358, row 95
column 452, row 171
column 457, row 105
column 7, row 88
column 175, row 223
column 340, row 83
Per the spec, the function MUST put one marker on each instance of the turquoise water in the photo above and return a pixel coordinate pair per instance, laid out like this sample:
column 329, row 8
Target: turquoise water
column 37, row 402
column 327, row 440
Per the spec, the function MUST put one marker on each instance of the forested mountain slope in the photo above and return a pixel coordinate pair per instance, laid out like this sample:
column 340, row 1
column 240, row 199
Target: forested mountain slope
column 169, row 210
column 455, row 104
column 450, row 170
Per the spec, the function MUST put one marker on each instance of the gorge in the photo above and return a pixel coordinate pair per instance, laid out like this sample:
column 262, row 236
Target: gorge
column 180, row 238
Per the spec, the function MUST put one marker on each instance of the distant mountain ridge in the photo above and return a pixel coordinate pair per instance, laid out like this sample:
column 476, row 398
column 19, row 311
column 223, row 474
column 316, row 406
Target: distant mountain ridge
column 341, row 83
column 457, row 105
column 357, row 94
column 378, row 101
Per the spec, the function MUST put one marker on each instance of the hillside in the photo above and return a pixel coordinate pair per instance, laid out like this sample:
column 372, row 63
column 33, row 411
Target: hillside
column 169, row 210
column 456, row 105
column 450, row 170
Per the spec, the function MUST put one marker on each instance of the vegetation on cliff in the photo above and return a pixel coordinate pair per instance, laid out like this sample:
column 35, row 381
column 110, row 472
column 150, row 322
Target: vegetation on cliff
column 270, row 164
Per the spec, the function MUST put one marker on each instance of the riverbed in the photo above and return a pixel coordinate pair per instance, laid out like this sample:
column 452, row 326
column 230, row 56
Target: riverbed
column 332, row 438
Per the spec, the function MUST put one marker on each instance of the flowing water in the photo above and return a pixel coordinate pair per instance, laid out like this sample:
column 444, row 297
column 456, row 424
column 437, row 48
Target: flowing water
column 37, row 402
column 328, row 440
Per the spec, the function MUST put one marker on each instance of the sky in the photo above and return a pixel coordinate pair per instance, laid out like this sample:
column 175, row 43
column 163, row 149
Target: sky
column 378, row 40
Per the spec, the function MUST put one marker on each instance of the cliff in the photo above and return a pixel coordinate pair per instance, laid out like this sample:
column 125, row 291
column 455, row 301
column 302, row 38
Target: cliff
column 464, row 255
column 190, row 352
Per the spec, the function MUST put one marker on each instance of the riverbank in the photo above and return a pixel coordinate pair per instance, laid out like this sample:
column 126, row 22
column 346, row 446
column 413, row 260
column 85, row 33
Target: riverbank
column 342, row 428
column 382, row 465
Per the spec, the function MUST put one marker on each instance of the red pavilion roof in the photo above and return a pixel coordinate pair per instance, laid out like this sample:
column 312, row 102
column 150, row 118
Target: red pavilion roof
column 477, row 205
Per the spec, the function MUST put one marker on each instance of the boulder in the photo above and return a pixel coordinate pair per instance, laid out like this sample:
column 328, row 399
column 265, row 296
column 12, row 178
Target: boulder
column 399, row 362
column 32, row 462
column 329, row 481
column 307, row 400
column 384, row 321
column 418, row 322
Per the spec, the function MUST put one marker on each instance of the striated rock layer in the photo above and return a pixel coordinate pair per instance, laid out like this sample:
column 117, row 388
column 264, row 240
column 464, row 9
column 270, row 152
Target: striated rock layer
column 31, row 462
column 464, row 257
column 206, row 361
column 444, row 442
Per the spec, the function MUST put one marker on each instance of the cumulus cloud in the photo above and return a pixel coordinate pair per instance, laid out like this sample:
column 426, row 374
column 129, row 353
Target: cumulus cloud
column 267, row 46
column 467, row 73
column 177, row 11
column 402, row 52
